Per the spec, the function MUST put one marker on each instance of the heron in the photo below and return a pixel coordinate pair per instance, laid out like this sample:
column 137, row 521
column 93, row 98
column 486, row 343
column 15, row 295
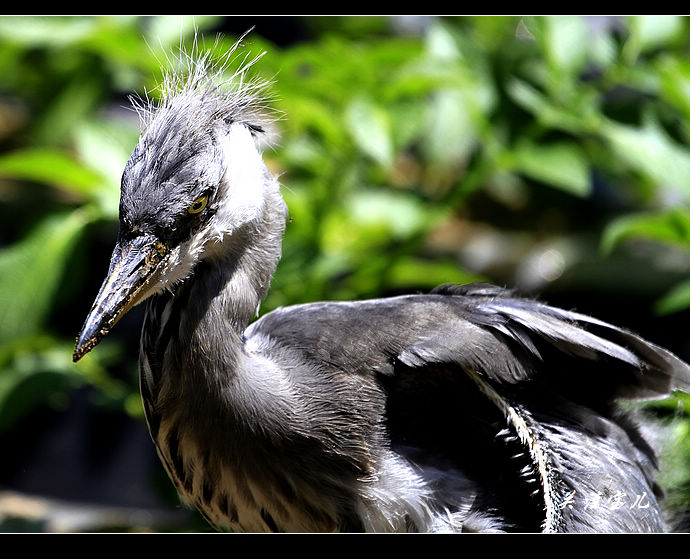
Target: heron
column 465, row 409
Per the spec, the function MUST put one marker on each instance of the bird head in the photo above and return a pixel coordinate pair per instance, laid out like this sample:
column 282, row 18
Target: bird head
column 195, row 176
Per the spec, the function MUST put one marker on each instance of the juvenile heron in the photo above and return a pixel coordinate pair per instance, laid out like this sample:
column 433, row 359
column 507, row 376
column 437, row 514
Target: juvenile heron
column 465, row 409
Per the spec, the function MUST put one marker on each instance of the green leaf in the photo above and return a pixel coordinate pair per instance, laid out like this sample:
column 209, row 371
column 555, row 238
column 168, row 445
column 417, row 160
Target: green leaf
column 409, row 271
column 401, row 214
column 308, row 113
column 650, row 151
column 560, row 165
column 565, row 41
column 39, row 370
column 22, row 393
column 451, row 132
column 370, row 128
column 407, row 123
column 441, row 45
column 119, row 40
column 30, row 272
column 166, row 31
column 672, row 227
column 650, row 32
column 544, row 109
column 69, row 102
column 674, row 74
column 105, row 147
column 677, row 299
column 46, row 31
column 53, row 167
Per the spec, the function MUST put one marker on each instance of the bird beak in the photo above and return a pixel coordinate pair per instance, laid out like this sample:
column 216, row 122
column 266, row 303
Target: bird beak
column 131, row 268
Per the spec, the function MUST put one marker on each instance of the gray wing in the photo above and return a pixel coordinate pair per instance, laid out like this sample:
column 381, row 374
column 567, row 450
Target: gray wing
column 516, row 398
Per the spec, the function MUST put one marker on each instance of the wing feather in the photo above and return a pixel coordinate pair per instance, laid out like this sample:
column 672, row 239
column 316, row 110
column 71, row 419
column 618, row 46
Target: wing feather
column 552, row 374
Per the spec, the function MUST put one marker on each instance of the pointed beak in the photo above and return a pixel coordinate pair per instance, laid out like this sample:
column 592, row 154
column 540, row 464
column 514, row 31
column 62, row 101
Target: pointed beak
column 132, row 266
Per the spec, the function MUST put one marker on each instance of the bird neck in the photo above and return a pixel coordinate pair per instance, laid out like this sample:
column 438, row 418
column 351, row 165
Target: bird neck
column 195, row 333
column 235, row 280
column 199, row 383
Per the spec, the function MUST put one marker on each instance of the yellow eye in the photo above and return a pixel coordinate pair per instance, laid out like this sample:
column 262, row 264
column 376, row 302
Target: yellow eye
column 198, row 205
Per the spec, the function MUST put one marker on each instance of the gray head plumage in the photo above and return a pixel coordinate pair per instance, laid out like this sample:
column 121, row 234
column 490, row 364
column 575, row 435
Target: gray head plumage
column 195, row 177
column 180, row 153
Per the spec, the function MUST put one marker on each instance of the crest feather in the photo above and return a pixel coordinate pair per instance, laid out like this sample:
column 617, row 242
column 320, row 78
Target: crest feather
column 201, row 87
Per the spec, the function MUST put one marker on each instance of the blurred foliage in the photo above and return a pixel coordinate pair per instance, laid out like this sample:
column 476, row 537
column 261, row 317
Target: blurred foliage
column 547, row 153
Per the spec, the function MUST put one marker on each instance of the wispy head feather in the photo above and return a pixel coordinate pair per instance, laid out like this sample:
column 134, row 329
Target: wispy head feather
column 204, row 90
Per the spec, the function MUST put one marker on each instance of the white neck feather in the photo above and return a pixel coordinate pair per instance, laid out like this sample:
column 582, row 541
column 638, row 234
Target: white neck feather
column 242, row 193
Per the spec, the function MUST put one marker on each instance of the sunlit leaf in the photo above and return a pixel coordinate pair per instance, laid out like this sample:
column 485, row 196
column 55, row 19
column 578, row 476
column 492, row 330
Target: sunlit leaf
column 565, row 40
column 603, row 49
column 106, row 147
column 52, row 167
column 417, row 273
column 401, row 214
column 674, row 73
column 451, row 132
column 544, row 109
column 46, row 31
column 655, row 31
column 119, row 41
column 167, row 30
column 560, row 165
column 408, row 121
column 650, row 151
column 30, row 272
column 310, row 114
column 672, row 227
column 371, row 130
column 440, row 44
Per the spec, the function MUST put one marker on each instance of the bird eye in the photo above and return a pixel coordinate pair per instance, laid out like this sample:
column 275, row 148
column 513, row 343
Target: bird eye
column 198, row 205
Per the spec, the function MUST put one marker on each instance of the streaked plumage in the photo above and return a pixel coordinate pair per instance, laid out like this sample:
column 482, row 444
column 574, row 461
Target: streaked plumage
column 466, row 409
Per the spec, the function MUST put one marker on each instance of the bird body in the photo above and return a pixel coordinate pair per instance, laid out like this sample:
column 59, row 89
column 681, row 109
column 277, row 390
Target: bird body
column 465, row 409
